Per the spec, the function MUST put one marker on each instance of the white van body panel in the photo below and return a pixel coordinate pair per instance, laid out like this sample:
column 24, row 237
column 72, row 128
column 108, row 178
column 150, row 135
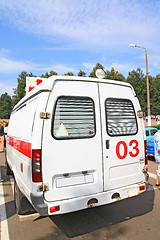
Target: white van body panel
column 25, row 128
column 97, row 165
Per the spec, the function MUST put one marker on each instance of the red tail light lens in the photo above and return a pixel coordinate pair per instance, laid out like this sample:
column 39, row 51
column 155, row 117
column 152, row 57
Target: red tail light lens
column 54, row 209
column 36, row 165
column 145, row 152
column 142, row 188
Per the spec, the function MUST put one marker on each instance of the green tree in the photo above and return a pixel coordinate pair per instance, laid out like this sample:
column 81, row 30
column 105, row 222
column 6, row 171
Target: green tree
column 69, row 74
column 81, row 73
column 137, row 80
column 47, row 75
column 5, row 105
column 98, row 66
column 114, row 75
column 19, row 92
column 154, row 87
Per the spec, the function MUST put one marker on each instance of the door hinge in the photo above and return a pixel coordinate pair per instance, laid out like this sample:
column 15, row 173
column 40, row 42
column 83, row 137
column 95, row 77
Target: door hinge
column 43, row 188
column 45, row 115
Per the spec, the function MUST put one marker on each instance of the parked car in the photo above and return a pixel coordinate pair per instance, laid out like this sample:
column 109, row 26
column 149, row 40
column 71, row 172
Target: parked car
column 150, row 131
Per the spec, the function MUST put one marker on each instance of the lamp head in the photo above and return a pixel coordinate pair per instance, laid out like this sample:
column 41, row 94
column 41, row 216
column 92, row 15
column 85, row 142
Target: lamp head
column 132, row 45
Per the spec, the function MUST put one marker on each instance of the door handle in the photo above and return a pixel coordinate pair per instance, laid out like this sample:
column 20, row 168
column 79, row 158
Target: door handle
column 107, row 144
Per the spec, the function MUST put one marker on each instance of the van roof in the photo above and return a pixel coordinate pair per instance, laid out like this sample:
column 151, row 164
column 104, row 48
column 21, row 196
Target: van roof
column 48, row 83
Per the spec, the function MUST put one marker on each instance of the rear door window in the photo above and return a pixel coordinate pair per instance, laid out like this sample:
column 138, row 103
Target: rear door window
column 74, row 117
column 121, row 118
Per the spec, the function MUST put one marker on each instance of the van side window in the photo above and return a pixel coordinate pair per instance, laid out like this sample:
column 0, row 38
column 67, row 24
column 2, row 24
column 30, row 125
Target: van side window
column 74, row 117
column 120, row 117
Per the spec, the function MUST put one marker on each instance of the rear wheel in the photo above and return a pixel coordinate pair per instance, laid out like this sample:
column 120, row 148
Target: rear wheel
column 22, row 204
column 8, row 170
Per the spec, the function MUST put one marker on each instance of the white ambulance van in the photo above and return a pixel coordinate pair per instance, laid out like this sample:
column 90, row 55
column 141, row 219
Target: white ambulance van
column 75, row 143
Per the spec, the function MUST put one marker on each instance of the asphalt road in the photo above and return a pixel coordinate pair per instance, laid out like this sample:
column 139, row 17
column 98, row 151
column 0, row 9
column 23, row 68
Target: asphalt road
column 135, row 218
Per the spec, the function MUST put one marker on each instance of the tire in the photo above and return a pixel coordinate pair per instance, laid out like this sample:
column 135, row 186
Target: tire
column 8, row 170
column 7, row 167
column 18, row 196
column 22, row 204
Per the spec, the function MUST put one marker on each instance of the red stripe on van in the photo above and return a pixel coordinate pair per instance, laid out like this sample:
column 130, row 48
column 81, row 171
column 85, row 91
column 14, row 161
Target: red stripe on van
column 21, row 146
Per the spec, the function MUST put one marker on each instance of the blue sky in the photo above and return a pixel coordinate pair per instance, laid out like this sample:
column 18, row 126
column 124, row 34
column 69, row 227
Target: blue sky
column 68, row 35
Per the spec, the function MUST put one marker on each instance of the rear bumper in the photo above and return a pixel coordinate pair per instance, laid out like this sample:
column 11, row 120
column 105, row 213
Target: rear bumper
column 70, row 205
column 39, row 205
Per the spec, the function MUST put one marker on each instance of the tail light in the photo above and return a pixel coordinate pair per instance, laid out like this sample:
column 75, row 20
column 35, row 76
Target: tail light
column 36, row 165
column 145, row 152
column 142, row 188
column 54, row 209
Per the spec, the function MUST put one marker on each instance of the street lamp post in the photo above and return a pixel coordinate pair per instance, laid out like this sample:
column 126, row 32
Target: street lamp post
column 148, row 95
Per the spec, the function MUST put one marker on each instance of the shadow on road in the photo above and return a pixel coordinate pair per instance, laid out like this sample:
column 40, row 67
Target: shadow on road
column 89, row 220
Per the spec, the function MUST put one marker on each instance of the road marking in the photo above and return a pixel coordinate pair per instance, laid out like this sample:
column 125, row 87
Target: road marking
column 152, row 175
column 3, row 216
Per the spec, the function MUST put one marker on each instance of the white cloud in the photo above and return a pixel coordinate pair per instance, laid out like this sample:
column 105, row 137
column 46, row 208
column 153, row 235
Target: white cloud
column 7, row 88
column 13, row 68
column 89, row 66
column 104, row 25
column 100, row 23
column 62, row 69
column 154, row 60
column 3, row 52
column 123, row 68
column 9, row 66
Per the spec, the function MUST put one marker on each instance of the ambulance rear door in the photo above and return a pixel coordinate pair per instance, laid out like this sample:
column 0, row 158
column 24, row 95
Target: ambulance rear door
column 123, row 143
column 72, row 143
